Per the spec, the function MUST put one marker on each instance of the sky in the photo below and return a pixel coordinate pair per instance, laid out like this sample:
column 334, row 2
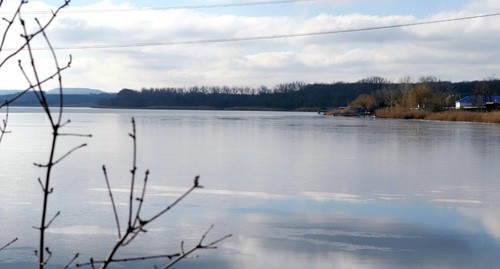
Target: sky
column 117, row 44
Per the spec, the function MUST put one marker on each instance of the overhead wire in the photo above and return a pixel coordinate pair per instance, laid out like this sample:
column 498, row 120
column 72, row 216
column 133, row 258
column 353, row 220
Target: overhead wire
column 265, row 37
column 207, row 6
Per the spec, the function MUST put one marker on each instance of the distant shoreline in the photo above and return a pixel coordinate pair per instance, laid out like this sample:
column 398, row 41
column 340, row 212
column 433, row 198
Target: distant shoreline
column 211, row 108
column 176, row 108
column 448, row 115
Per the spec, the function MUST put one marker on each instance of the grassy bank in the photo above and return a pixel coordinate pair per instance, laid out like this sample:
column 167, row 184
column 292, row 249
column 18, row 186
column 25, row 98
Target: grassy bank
column 450, row 115
column 401, row 113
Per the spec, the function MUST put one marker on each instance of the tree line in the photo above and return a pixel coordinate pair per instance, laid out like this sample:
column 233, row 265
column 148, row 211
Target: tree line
column 426, row 92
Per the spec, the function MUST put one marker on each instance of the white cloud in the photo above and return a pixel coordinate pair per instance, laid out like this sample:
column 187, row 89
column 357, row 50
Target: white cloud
column 255, row 254
column 271, row 59
column 460, row 50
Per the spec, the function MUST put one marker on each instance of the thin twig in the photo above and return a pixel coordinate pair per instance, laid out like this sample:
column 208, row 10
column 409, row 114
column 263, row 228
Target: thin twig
column 3, row 128
column 50, row 255
column 42, row 99
column 41, row 184
column 37, row 94
column 56, row 63
column 8, row 244
column 200, row 245
column 142, row 258
column 71, row 261
column 76, row 135
column 195, row 186
column 134, row 169
column 33, row 35
column 52, row 220
column 69, row 153
column 112, row 201
column 9, row 24
column 133, row 234
column 141, row 200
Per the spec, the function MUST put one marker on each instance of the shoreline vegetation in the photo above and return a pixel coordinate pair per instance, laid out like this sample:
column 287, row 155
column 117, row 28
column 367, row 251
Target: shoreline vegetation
column 448, row 115
column 418, row 114
column 424, row 98
column 428, row 99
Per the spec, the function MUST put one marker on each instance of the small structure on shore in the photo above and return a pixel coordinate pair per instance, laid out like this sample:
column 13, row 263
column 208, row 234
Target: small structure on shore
column 472, row 102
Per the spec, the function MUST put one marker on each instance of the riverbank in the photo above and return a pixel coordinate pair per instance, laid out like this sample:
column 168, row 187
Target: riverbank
column 449, row 115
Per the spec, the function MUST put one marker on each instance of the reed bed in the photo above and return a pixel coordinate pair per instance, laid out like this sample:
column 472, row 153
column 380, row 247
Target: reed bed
column 401, row 113
column 450, row 115
column 470, row 116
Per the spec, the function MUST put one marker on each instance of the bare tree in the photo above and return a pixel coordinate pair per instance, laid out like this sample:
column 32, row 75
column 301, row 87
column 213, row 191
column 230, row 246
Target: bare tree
column 378, row 82
column 390, row 96
column 36, row 82
column 485, row 89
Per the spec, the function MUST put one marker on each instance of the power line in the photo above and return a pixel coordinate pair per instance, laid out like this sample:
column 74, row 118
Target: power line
column 111, row 10
column 265, row 37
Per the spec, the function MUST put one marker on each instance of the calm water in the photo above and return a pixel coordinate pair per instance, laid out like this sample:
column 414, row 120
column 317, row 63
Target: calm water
column 297, row 190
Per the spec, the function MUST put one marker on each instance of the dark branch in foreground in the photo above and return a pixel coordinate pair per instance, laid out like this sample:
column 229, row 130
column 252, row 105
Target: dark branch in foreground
column 36, row 81
column 200, row 245
column 71, row 261
column 8, row 244
column 143, row 258
column 3, row 127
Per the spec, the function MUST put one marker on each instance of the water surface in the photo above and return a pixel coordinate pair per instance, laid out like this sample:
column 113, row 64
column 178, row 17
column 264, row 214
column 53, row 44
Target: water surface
column 297, row 190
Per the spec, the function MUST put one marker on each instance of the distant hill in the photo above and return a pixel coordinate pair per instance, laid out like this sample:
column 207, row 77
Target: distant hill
column 77, row 91
column 6, row 92
column 82, row 91
column 78, row 98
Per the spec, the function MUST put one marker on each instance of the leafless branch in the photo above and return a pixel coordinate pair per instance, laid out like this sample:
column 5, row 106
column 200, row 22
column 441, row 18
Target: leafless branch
column 52, row 220
column 8, row 244
column 9, row 23
column 159, row 214
column 71, row 261
column 76, row 135
column 200, row 245
column 136, row 223
column 62, row 157
column 50, row 255
column 42, row 99
column 69, row 153
column 134, row 169
column 3, row 128
column 56, row 63
column 112, row 201
column 142, row 258
column 141, row 200
column 33, row 35
column 55, row 124
column 137, row 226
column 41, row 184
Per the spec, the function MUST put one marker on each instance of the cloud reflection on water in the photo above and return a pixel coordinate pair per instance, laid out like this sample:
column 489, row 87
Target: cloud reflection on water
column 488, row 217
column 362, row 243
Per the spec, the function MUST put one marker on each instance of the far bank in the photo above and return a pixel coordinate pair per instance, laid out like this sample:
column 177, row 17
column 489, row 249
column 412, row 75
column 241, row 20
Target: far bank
column 448, row 115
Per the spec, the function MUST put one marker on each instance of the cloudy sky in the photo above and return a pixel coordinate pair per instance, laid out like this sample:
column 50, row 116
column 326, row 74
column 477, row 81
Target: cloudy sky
column 119, row 44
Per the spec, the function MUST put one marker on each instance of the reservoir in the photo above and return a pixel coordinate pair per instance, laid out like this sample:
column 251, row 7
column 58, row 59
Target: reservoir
column 296, row 190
